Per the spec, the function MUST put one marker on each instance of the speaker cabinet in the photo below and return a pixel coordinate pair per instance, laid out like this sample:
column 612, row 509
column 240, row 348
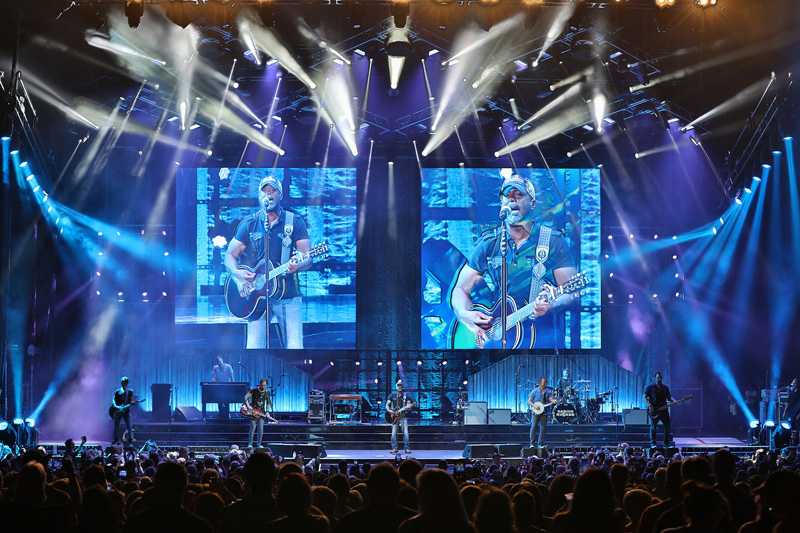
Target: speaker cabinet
column 476, row 414
column 479, row 451
column 188, row 413
column 499, row 417
column 161, row 394
column 634, row 417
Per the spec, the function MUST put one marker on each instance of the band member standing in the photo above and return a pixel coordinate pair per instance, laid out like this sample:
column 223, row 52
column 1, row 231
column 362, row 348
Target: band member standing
column 539, row 395
column 258, row 403
column 121, row 402
column 222, row 372
column 527, row 241
column 658, row 396
column 398, row 405
column 285, row 234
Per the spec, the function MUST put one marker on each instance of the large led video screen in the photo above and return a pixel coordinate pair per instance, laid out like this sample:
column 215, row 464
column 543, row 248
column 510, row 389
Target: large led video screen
column 272, row 256
column 552, row 248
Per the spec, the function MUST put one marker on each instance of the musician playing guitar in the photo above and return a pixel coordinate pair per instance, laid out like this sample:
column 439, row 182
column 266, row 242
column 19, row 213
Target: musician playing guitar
column 276, row 234
column 120, row 411
column 540, row 398
column 658, row 398
column 538, row 258
column 397, row 407
column 257, row 407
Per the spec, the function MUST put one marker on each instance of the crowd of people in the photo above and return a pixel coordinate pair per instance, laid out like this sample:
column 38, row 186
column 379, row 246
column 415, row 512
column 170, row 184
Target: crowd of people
column 153, row 491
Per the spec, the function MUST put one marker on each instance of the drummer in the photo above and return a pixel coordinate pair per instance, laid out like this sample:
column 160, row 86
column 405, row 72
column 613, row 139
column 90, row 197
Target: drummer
column 565, row 388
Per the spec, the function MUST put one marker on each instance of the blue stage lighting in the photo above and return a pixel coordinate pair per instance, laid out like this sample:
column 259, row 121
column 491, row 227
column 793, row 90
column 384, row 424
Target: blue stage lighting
column 786, row 425
column 31, row 422
column 3, row 425
column 754, row 424
column 18, row 421
column 769, row 424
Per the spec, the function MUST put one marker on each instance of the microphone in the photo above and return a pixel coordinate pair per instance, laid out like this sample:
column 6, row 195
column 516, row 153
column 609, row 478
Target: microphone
column 504, row 212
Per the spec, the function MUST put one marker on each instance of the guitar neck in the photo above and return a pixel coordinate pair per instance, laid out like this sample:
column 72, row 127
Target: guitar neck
column 527, row 310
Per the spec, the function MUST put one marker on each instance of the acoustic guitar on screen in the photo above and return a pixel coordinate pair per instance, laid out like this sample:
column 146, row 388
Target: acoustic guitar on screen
column 249, row 299
column 520, row 323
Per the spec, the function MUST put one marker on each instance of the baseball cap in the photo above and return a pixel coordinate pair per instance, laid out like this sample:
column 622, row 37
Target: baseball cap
column 271, row 180
column 515, row 181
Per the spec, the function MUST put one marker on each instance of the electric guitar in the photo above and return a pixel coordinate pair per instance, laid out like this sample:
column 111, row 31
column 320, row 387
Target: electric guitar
column 394, row 417
column 115, row 411
column 248, row 299
column 654, row 412
column 251, row 412
column 520, row 327
column 538, row 408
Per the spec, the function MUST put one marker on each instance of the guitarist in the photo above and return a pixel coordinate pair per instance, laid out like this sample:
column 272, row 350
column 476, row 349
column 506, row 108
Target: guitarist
column 258, row 404
column 527, row 240
column 658, row 398
column 121, row 412
column 277, row 233
column 397, row 407
column 539, row 395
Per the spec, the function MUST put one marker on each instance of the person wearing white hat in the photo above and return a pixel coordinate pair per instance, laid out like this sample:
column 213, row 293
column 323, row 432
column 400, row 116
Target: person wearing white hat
column 534, row 251
column 284, row 234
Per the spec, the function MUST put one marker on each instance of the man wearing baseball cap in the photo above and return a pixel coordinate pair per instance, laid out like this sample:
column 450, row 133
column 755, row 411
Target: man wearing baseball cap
column 530, row 243
column 277, row 234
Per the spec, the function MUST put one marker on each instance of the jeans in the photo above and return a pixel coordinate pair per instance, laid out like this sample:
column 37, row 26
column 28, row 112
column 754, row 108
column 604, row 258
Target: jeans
column 289, row 315
column 256, row 422
column 118, row 421
column 404, row 423
column 537, row 421
column 664, row 419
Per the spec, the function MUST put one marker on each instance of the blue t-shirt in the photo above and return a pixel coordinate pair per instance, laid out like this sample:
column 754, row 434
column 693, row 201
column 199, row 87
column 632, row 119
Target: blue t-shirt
column 250, row 232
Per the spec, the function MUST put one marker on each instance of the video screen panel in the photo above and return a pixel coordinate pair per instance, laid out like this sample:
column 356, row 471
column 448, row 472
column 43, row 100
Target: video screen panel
column 221, row 214
column 462, row 267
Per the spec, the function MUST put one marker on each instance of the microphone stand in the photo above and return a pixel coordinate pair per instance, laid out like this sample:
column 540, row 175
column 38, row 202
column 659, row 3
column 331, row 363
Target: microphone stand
column 503, row 281
column 267, row 285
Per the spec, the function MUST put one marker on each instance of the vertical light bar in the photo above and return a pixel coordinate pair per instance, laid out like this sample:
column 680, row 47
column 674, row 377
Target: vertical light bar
column 6, row 142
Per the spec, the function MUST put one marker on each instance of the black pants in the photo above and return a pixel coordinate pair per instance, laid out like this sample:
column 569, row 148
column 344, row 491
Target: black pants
column 664, row 419
column 118, row 421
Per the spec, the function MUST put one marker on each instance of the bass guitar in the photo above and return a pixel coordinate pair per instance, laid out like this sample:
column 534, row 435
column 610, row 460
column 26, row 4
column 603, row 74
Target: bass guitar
column 520, row 324
column 114, row 411
column 248, row 300
column 654, row 412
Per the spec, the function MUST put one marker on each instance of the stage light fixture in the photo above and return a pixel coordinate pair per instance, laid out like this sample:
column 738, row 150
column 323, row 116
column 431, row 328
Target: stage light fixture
column 400, row 10
column 398, row 48
column 134, row 9
column 664, row 3
column 786, row 425
column 705, row 3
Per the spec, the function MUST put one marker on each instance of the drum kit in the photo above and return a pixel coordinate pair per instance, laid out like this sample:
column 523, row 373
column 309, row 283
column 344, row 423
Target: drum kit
column 575, row 404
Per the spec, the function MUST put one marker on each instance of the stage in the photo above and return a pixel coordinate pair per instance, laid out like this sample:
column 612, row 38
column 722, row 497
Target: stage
column 430, row 443
column 345, row 199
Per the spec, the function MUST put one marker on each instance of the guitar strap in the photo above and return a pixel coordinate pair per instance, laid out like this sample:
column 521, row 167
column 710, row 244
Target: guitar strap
column 286, row 243
column 538, row 270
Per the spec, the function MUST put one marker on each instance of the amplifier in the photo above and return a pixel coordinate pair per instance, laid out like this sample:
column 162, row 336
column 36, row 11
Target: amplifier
column 499, row 416
column 476, row 413
column 634, row 417
column 316, row 406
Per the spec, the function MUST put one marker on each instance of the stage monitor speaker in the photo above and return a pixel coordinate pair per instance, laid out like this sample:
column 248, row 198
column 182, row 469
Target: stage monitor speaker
column 188, row 413
column 538, row 451
column 308, row 449
column 161, row 393
column 499, row 417
column 634, row 417
column 476, row 414
column 479, row 451
column 509, row 450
